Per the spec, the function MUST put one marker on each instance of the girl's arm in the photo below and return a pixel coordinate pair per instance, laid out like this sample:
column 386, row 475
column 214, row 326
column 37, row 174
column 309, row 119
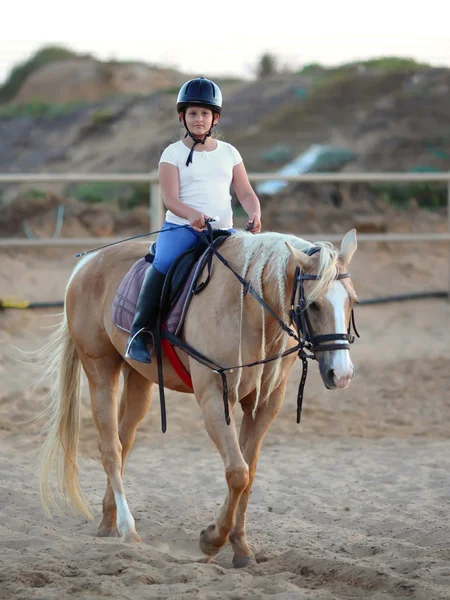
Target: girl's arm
column 247, row 197
column 170, row 185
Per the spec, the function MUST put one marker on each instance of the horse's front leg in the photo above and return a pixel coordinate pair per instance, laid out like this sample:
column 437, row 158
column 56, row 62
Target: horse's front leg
column 225, row 438
column 251, row 437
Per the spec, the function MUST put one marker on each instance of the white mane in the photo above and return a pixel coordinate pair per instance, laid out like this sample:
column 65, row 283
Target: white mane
column 267, row 253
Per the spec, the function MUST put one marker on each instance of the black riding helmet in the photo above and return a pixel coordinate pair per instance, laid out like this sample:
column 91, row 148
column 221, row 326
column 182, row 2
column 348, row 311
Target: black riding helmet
column 199, row 92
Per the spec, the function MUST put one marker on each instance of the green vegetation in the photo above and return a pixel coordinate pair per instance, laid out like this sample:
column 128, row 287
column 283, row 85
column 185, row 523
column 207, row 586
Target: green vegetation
column 389, row 63
column 354, row 82
column 268, row 65
column 103, row 116
column 127, row 196
column 19, row 74
column 312, row 69
column 39, row 109
column 35, row 194
column 96, row 193
column 139, row 196
column 383, row 64
column 427, row 195
column 378, row 71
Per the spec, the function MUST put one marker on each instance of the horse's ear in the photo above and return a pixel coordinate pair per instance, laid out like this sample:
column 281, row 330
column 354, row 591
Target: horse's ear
column 348, row 248
column 300, row 257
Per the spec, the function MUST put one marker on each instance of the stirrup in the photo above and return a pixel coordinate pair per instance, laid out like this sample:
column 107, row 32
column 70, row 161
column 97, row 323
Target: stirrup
column 131, row 340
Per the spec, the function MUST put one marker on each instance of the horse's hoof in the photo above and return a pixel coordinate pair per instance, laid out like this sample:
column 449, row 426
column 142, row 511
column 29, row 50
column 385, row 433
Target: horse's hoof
column 205, row 545
column 239, row 562
column 108, row 532
column 132, row 537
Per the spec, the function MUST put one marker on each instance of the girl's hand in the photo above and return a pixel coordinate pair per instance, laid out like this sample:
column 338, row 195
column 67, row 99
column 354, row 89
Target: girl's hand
column 254, row 223
column 197, row 220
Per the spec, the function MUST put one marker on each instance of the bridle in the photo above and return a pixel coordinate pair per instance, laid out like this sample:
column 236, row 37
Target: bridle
column 299, row 317
column 306, row 340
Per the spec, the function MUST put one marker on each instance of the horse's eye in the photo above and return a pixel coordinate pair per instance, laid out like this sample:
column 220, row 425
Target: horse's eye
column 314, row 306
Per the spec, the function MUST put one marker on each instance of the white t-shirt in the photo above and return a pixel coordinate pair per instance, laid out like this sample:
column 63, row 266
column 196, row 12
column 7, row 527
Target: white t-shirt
column 205, row 183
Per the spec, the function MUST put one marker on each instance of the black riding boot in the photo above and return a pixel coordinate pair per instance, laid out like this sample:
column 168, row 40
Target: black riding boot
column 146, row 311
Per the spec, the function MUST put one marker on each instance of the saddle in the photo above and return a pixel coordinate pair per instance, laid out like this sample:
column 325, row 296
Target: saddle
column 181, row 284
column 183, row 280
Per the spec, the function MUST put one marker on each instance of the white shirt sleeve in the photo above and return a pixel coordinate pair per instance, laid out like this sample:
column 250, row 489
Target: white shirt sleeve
column 237, row 158
column 169, row 156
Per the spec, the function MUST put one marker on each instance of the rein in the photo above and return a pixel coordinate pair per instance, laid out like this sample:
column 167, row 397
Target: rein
column 298, row 316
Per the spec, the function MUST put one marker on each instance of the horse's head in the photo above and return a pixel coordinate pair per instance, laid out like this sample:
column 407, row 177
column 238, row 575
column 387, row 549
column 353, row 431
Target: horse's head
column 329, row 297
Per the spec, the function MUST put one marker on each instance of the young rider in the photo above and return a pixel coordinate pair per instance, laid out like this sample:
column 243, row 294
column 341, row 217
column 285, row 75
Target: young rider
column 195, row 176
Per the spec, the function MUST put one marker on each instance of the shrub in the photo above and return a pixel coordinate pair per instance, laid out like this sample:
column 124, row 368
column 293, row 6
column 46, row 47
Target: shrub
column 127, row 196
column 139, row 196
column 267, row 65
column 103, row 116
column 38, row 109
column 95, row 193
column 428, row 195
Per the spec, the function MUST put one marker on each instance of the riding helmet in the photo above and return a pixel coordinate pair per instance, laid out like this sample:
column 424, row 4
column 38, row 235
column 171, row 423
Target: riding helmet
column 200, row 92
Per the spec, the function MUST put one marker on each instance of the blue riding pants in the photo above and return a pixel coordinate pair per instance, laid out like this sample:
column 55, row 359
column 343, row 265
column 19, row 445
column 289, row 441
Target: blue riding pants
column 172, row 242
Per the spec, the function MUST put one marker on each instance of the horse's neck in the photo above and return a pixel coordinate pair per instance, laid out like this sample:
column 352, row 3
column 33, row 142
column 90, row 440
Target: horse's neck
column 275, row 291
column 276, row 295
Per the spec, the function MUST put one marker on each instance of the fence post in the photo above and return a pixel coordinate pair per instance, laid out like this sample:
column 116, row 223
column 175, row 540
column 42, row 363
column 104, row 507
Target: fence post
column 156, row 206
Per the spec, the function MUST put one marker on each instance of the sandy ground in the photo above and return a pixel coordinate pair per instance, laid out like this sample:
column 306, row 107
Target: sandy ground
column 353, row 503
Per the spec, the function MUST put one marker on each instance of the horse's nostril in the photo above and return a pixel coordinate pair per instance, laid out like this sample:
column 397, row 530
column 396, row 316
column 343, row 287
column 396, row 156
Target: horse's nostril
column 330, row 374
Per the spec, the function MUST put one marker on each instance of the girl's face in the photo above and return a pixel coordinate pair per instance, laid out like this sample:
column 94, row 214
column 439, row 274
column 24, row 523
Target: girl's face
column 199, row 120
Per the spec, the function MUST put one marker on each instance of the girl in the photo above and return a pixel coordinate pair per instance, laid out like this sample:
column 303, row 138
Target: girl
column 195, row 176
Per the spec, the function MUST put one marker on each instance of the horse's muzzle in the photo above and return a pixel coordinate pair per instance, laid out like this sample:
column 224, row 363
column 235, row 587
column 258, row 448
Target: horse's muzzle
column 336, row 379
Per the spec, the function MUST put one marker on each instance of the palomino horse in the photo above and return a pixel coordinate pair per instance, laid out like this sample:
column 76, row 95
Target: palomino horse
column 87, row 336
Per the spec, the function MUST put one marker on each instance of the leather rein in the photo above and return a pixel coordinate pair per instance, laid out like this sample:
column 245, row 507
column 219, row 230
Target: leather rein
column 299, row 318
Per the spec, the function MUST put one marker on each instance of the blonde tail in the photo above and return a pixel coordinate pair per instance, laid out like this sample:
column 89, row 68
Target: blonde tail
column 62, row 429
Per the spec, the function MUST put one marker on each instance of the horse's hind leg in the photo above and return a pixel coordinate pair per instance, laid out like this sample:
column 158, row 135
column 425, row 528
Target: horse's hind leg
column 134, row 405
column 251, row 437
column 103, row 376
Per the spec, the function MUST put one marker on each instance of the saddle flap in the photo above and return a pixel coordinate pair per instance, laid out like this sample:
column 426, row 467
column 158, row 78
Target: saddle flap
column 177, row 290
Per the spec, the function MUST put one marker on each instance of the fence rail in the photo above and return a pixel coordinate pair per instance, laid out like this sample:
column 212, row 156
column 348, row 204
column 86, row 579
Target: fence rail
column 156, row 211
column 152, row 177
column 83, row 243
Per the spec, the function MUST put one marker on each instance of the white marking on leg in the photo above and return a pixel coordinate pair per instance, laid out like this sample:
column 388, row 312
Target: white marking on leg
column 125, row 520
